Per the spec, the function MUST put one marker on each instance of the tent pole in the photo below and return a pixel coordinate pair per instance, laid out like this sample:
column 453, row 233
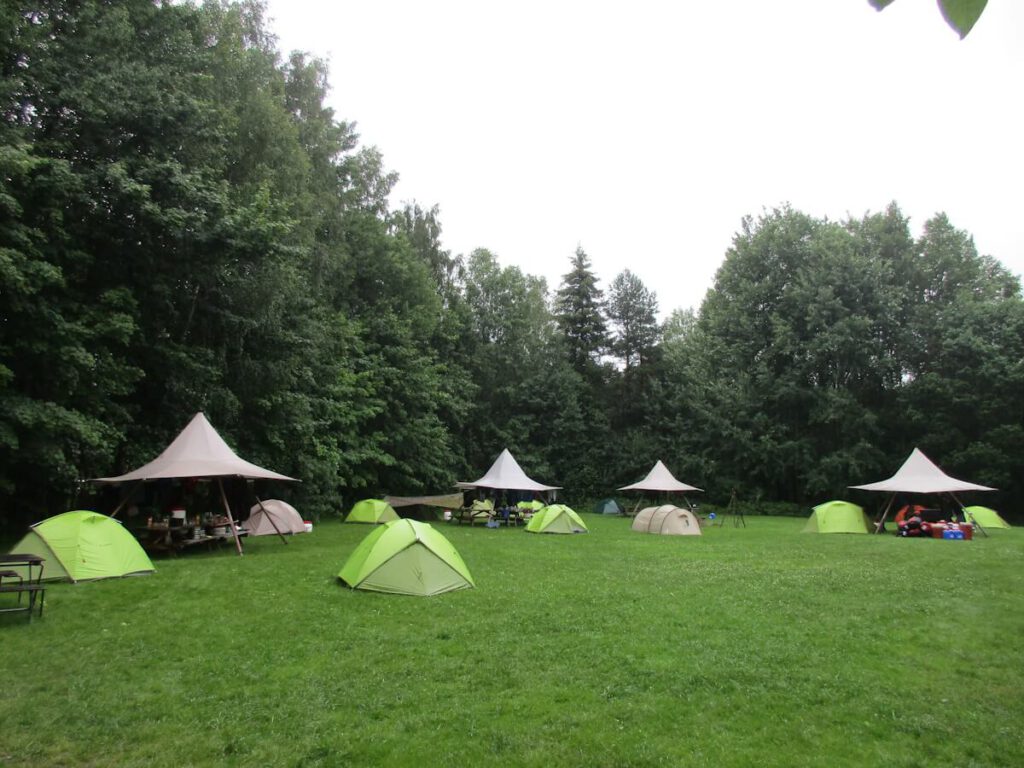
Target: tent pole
column 636, row 508
column 885, row 514
column 231, row 520
column 127, row 498
column 269, row 517
column 967, row 515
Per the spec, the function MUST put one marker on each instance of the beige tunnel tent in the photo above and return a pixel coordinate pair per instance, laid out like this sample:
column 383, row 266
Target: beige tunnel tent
column 198, row 452
column 668, row 520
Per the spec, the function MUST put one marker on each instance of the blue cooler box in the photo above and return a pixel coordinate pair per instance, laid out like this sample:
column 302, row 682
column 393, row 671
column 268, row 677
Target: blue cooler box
column 952, row 534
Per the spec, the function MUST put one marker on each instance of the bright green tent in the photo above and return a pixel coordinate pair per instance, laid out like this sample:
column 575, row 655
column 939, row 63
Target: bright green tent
column 371, row 511
column 556, row 518
column 985, row 517
column 84, row 546
column 408, row 558
column 609, row 507
column 838, row 517
column 533, row 506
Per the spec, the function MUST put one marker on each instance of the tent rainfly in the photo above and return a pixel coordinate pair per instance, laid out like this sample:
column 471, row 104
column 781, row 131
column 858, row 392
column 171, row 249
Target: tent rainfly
column 660, row 480
column 84, row 546
column 556, row 518
column 274, row 516
column 668, row 520
column 198, row 452
column 444, row 501
column 372, row 511
column 986, row 517
column 505, row 474
column 838, row 517
column 919, row 474
column 609, row 507
column 406, row 557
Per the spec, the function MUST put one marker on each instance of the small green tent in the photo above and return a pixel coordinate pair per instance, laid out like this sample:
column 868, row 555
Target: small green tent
column 372, row 511
column 531, row 506
column 84, row 546
column 609, row 507
column 556, row 518
column 406, row 557
column 838, row 517
column 985, row 517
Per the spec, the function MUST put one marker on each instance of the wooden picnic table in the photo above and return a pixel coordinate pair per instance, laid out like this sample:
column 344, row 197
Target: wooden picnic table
column 162, row 537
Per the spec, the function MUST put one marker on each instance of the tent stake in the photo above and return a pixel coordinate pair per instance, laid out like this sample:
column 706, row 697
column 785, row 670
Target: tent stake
column 231, row 520
column 270, row 517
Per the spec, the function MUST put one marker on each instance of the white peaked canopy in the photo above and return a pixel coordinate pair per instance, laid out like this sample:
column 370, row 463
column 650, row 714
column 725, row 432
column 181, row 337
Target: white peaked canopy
column 920, row 475
column 198, row 451
column 506, row 474
column 659, row 479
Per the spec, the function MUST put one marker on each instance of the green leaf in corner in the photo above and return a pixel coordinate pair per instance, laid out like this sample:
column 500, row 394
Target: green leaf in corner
column 961, row 14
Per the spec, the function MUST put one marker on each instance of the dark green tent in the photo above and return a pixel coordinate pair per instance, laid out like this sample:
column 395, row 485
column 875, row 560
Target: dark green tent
column 609, row 507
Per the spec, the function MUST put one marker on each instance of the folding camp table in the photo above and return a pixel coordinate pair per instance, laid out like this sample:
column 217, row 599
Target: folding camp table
column 27, row 584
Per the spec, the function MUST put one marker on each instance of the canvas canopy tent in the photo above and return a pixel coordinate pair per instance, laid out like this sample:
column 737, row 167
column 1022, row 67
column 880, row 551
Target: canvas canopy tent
column 838, row 517
column 985, row 517
column 274, row 516
column 373, row 511
column 556, row 518
column 84, row 546
column 659, row 480
column 609, row 507
column 919, row 474
column 198, row 452
column 406, row 557
column 505, row 474
column 667, row 519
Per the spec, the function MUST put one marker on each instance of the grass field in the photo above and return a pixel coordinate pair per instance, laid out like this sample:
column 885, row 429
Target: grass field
column 745, row 647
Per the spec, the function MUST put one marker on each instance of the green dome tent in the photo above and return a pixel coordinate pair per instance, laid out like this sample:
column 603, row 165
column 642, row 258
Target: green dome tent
column 556, row 518
column 372, row 511
column 609, row 507
column 531, row 506
column 84, row 546
column 985, row 517
column 408, row 558
column 838, row 517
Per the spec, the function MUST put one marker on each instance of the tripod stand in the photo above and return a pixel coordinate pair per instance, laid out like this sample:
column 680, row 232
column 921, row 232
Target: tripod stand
column 735, row 511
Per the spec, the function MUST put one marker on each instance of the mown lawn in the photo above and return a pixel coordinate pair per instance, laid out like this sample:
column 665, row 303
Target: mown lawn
column 756, row 646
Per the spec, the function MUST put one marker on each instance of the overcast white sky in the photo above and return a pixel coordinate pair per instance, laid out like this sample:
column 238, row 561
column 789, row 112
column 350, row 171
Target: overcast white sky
column 644, row 131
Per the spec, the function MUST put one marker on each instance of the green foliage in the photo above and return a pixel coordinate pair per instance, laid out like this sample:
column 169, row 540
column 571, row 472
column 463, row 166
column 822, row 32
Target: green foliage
column 633, row 314
column 961, row 15
column 578, row 310
column 185, row 225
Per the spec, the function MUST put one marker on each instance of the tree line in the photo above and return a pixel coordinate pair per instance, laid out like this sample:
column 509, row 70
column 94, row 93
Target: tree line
column 185, row 225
